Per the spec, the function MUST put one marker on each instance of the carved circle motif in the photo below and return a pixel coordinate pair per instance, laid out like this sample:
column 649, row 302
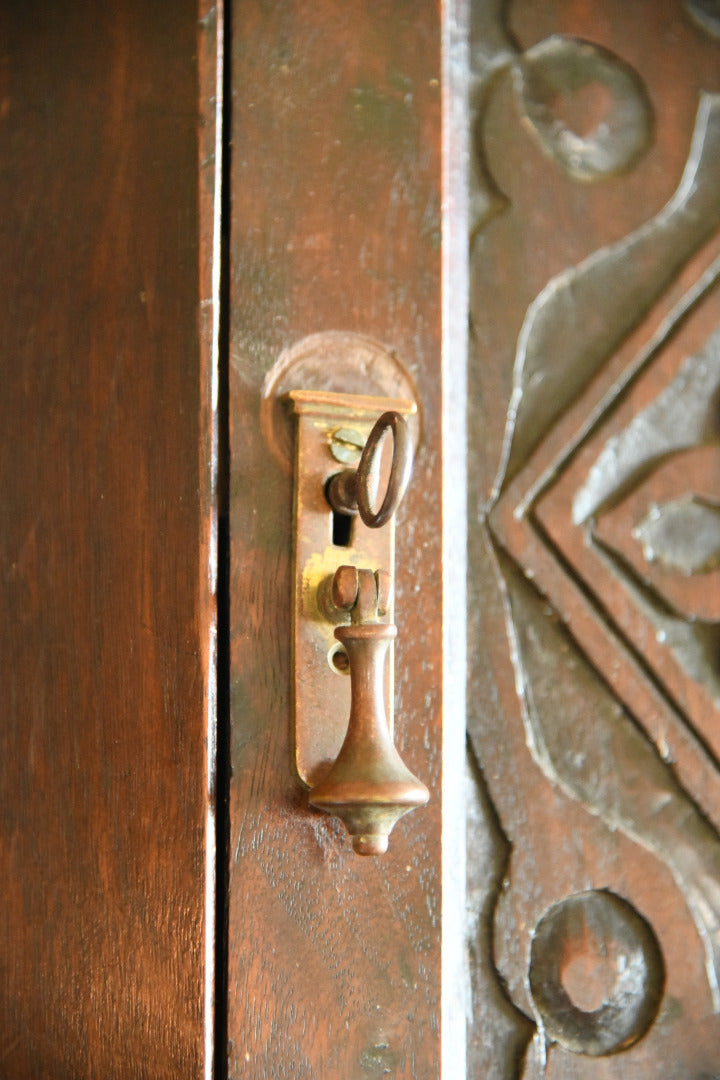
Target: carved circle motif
column 563, row 67
column 619, row 955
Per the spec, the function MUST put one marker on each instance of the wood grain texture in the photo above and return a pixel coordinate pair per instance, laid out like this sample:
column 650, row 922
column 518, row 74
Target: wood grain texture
column 334, row 959
column 575, row 727
column 104, row 504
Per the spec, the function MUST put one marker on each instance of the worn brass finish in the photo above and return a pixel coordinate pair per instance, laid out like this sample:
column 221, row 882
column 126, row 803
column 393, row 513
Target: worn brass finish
column 350, row 765
column 369, row 787
column 321, row 687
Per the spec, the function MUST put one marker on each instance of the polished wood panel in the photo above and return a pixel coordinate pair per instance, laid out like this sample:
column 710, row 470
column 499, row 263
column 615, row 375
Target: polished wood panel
column 334, row 959
column 104, row 507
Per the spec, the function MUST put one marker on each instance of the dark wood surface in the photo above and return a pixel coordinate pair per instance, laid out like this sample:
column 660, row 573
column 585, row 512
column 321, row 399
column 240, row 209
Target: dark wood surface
column 104, row 508
column 334, row 960
column 594, row 743
column 593, row 674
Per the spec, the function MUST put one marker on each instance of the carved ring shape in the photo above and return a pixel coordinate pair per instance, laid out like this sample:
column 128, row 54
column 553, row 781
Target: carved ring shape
column 562, row 67
column 603, row 933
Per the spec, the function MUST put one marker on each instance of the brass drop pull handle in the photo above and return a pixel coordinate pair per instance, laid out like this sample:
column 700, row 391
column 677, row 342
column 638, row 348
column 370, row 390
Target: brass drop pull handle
column 369, row 787
column 343, row 622
column 352, row 491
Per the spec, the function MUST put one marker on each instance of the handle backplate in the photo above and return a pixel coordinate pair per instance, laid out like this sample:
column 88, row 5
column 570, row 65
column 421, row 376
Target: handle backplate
column 324, row 541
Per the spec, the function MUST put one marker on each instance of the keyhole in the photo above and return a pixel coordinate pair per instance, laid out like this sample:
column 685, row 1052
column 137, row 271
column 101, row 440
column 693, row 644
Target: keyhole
column 341, row 523
column 341, row 529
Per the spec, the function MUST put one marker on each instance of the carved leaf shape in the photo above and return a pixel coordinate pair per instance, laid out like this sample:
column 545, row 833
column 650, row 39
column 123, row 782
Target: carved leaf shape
column 662, row 531
column 582, row 316
column 683, row 535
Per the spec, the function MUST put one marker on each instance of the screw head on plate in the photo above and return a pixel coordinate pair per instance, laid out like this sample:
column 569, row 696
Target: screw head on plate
column 346, row 445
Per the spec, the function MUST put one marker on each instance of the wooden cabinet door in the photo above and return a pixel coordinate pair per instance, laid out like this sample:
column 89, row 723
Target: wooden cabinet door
column 106, row 510
column 594, row 854
column 110, row 483
column 581, row 427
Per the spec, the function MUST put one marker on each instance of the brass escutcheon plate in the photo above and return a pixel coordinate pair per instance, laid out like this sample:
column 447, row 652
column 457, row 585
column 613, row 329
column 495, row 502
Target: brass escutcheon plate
column 321, row 688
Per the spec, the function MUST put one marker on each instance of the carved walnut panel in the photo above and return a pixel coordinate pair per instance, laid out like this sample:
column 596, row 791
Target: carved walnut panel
column 594, row 732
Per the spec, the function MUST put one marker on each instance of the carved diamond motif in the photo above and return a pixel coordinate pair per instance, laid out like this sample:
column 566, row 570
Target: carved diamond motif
column 612, row 437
